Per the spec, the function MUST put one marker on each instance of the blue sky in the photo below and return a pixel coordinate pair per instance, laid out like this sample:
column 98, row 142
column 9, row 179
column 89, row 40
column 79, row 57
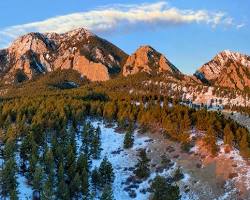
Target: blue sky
column 189, row 32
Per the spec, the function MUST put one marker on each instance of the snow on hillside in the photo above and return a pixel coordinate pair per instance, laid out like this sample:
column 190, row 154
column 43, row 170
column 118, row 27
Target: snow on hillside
column 112, row 145
column 202, row 95
column 123, row 162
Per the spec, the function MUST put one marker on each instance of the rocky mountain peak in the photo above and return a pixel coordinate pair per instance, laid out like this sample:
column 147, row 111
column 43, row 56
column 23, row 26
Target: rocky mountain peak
column 227, row 69
column 226, row 55
column 36, row 42
column 79, row 49
column 147, row 59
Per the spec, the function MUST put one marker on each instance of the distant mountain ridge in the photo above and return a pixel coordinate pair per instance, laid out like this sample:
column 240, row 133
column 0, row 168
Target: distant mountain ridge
column 99, row 60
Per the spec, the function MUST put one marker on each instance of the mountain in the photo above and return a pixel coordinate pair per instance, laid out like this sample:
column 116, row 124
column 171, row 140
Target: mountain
column 99, row 60
column 226, row 69
column 81, row 50
column 146, row 59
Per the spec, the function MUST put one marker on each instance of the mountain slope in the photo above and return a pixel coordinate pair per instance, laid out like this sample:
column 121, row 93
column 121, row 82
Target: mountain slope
column 81, row 50
column 146, row 59
column 227, row 69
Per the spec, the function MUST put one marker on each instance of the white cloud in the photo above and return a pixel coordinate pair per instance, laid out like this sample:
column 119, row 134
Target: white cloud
column 120, row 16
column 239, row 26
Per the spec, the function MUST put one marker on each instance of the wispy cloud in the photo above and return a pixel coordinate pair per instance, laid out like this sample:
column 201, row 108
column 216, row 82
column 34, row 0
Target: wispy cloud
column 120, row 16
column 239, row 26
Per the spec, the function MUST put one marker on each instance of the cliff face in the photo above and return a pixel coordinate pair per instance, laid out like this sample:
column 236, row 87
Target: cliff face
column 146, row 59
column 37, row 53
column 227, row 69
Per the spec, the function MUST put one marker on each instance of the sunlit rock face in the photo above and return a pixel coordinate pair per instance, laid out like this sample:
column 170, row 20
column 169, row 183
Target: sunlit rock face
column 36, row 53
column 146, row 59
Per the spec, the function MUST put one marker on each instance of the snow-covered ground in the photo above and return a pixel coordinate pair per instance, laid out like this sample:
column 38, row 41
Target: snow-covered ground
column 112, row 142
column 241, row 118
column 205, row 95
column 123, row 162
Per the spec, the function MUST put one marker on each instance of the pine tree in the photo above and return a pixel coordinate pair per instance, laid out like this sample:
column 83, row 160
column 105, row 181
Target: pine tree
column 95, row 179
column 185, row 123
column 47, row 191
column 72, row 138
column 49, row 161
column 185, row 126
column 244, row 145
column 162, row 190
column 8, row 178
column 8, row 174
column 37, row 181
column 70, row 167
column 32, row 167
column 24, row 153
column 128, row 140
column 85, row 184
column 86, row 139
column 62, row 192
column 228, row 136
column 74, row 186
column 142, row 167
column 49, row 165
column 96, row 145
column 210, row 140
column 106, row 172
column 107, row 193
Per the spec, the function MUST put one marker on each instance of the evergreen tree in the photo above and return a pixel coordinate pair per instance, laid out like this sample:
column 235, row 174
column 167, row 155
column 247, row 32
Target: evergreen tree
column 142, row 167
column 95, row 179
column 96, row 145
column 228, row 135
column 70, row 166
column 32, row 167
column 47, row 191
column 106, row 172
column 62, row 192
column 128, row 140
column 244, row 145
column 107, row 193
column 72, row 138
column 49, row 161
column 74, row 186
column 8, row 174
column 162, row 190
column 210, row 140
column 24, row 153
column 185, row 123
column 85, row 184
column 8, row 178
column 37, row 181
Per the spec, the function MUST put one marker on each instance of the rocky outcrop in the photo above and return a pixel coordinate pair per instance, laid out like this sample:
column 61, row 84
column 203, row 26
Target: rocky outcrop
column 146, row 59
column 36, row 53
column 227, row 69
